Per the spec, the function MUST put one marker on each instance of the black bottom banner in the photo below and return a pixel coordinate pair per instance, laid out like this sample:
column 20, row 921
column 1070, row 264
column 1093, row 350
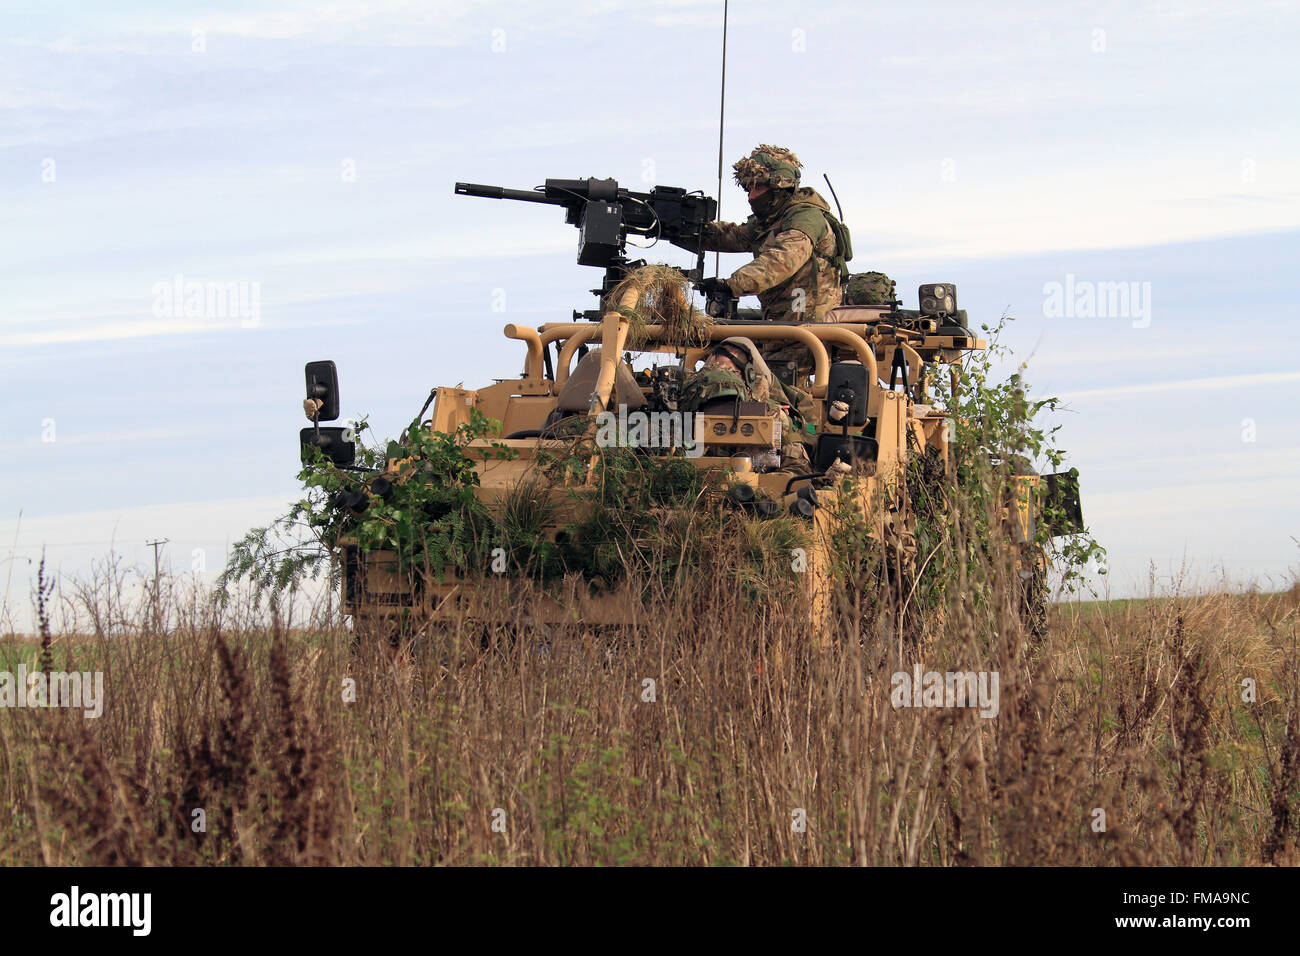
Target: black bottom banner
column 943, row 906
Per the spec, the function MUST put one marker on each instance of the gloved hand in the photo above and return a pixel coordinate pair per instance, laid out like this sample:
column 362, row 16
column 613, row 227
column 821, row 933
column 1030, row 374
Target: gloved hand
column 719, row 300
column 715, row 288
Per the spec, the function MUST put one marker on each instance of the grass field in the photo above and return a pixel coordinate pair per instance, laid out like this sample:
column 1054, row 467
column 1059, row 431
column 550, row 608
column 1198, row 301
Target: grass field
column 1124, row 736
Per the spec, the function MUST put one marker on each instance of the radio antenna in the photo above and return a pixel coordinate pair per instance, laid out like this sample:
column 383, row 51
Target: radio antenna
column 838, row 207
column 722, row 114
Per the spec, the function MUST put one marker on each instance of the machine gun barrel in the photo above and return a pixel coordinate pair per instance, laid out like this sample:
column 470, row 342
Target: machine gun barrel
column 501, row 192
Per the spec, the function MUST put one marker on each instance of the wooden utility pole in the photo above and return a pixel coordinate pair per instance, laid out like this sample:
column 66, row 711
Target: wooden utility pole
column 156, row 544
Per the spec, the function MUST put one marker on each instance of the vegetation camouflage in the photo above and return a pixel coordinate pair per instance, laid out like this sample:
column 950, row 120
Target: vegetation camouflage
column 768, row 165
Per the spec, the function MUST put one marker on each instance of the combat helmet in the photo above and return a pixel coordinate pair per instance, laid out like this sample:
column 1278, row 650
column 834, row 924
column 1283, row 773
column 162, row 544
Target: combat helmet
column 753, row 367
column 733, row 349
column 768, row 165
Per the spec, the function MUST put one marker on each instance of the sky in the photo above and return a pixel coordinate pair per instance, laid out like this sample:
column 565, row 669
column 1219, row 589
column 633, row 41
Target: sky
column 1120, row 178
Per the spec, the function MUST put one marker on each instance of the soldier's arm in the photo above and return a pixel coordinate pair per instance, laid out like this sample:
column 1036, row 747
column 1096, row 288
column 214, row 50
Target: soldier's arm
column 774, row 265
column 728, row 237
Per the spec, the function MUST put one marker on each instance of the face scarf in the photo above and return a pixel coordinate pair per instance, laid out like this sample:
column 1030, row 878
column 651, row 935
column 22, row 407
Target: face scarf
column 763, row 205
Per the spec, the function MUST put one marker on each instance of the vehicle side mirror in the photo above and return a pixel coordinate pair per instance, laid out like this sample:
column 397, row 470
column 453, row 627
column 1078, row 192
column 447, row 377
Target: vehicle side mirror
column 323, row 384
column 849, row 383
column 331, row 443
column 856, row 450
column 1061, row 510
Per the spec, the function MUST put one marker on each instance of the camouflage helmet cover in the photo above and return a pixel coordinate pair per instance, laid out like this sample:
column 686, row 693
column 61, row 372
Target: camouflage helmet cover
column 770, row 165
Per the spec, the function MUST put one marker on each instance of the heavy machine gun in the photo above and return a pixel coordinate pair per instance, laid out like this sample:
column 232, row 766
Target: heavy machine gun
column 607, row 214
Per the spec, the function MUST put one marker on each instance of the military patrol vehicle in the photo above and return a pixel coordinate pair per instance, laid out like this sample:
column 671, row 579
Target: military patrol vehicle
column 861, row 414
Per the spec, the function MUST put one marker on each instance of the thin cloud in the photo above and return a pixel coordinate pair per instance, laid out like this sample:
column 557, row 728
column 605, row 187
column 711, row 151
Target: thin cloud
column 117, row 437
column 1198, row 384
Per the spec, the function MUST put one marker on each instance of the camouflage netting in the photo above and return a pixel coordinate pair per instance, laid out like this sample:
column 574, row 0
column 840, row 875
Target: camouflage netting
column 663, row 297
column 773, row 165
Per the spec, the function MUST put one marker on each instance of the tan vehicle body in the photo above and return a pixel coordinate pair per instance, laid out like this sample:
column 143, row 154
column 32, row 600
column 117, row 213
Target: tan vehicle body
column 900, row 422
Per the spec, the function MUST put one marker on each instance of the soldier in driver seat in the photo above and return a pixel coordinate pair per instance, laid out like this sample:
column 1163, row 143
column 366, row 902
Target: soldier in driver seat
column 735, row 370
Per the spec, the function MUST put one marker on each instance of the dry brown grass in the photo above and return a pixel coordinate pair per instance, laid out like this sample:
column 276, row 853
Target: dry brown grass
column 661, row 296
column 1134, row 709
